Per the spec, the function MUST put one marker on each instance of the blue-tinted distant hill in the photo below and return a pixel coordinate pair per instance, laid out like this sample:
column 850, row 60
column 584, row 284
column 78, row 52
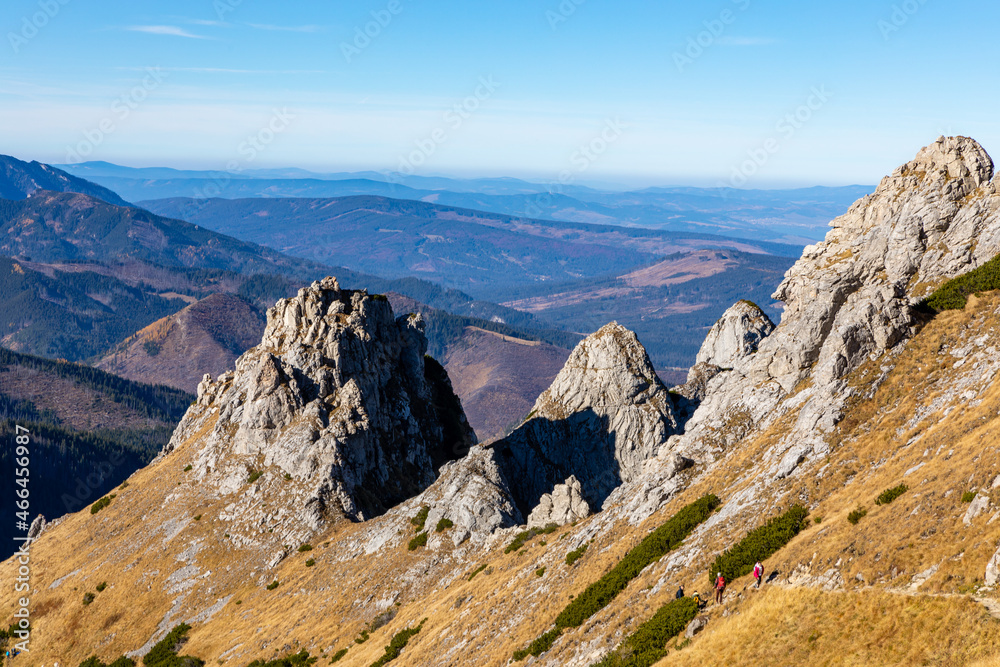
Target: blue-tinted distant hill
column 20, row 180
column 474, row 251
column 797, row 216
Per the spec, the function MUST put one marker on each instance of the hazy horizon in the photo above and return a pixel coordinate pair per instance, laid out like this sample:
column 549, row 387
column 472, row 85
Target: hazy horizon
column 735, row 94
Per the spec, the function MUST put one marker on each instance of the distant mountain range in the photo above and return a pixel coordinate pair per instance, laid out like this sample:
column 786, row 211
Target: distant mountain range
column 20, row 180
column 478, row 252
column 88, row 274
column 797, row 216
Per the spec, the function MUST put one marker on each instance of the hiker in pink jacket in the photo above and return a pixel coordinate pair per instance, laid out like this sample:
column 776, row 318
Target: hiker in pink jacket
column 758, row 572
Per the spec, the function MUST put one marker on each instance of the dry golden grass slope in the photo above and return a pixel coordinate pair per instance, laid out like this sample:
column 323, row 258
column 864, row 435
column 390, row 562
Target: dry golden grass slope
column 898, row 588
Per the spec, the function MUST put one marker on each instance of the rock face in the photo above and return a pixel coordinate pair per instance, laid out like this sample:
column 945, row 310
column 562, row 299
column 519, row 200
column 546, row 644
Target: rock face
column 564, row 505
column 851, row 296
column 736, row 335
column 338, row 397
column 604, row 416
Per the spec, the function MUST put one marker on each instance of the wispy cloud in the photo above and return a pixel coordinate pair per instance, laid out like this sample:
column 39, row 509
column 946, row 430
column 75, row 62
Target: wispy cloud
column 216, row 24
column 728, row 40
column 225, row 70
column 287, row 28
column 170, row 30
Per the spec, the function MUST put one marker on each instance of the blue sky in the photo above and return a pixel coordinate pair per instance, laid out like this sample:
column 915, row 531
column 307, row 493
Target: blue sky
column 630, row 92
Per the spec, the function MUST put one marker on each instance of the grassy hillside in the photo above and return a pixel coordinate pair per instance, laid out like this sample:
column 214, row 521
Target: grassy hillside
column 901, row 586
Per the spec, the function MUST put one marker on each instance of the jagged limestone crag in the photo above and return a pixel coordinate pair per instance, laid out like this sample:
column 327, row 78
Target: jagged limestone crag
column 735, row 336
column 604, row 416
column 854, row 295
column 564, row 505
column 339, row 397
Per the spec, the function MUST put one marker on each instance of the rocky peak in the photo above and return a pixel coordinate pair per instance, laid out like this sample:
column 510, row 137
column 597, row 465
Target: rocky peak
column 338, row 398
column 604, row 415
column 736, row 335
column 853, row 296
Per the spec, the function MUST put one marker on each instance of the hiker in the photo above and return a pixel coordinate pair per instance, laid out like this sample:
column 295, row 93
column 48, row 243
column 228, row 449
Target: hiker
column 680, row 592
column 697, row 600
column 758, row 572
column 720, row 585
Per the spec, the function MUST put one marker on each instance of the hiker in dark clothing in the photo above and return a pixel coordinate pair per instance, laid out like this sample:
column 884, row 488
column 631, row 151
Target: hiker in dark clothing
column 680, row 592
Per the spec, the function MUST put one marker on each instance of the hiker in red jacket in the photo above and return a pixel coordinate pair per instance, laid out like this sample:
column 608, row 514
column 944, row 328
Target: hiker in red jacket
column 720, row 585
column 758, row 572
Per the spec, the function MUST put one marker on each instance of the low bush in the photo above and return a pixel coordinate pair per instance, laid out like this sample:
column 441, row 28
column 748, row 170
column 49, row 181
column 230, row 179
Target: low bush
column 88, row 598
column 857, row 515
column 968, row 496
column 478, row 570
column 521, row 538
column 382, row 620
column 310, row 562
column 576, row 554
column 420, row 519
column 197, row 517
column 101, row 586
column 254, row 476
column 338, row 655
column 954, row 294
column 362, row 638
column 759, row 544
column 540, row 645
column 889, row 495
column 443, row 525
column 94, row 661
column 300, row 659
column 540, row 572
column 164, row 653
column 647, row 645
column 654, row 546
column 417, row 542
column 101, row 504
column 274, row 584
column 397, row 644
column 304, row 548
column 188, row 468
